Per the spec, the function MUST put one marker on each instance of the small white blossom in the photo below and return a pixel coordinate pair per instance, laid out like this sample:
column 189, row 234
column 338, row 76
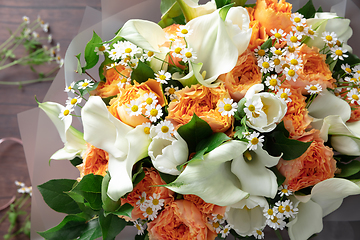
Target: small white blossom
column 153, row 112
column 85, row 84
column 188, row 55
column 284, row 94
column 227, row 107
column 164, row 129
column 184, row 31
column 255, row 141
column 162, row 76
column 314, row 89
column 283, row 190
column 354, row 96
column 134, row 108
column 70, row 88
column 101, row 49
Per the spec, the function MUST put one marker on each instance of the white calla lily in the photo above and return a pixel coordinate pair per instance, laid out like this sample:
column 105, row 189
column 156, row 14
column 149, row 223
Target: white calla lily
column 74, row 143
column 329, row 22
column 326, row 197
column 125, row 145
column 192, row 9
column 247, row 215
column 166, row 154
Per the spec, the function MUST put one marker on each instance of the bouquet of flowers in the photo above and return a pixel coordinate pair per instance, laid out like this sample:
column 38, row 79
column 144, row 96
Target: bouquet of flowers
column 214, row 121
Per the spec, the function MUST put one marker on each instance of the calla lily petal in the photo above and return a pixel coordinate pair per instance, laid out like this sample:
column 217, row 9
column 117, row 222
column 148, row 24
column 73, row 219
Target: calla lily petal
column 192, row 9
column 346, row 145
column 211, row 178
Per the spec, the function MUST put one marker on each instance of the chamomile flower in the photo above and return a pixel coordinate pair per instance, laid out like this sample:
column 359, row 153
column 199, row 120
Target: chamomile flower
column 171, row 38
column 148, row 211
column 59, row 61
column 70, row 88
column 260, row 53
column 266, row 65
column 290, row 210
column 45, row 27
column 148, row 55
column 112, row 65
column 171, row 90
column 149, row 99
column 114, row 53
column 300, row 29
column 162, row 76
column 123, row 82
column 272, row 82
column 176, row 49
column 279, row 35
column 147, row 127
column 290, row 74
column 85, row 84
column 338, row 53
column 310, row 32
column 155, row 202
column 19, row 184
column 277, row 63
column 101, row 49
column 134, row 108
column 253, row 109
column 184, row 31
column 277, row 222
column 295, row 62
column 293, row 39
column 66, row 112
column 284, row 94
column 255, row 141
column 164, row 129
column 329, row 38
column 26, row 19
column 225, row 231
column 139, row 227
column 128, row 49
column 346, row 67
column 291, row 49
column 132, row 63
column 73, row 101
column 356, row 69
column 35, row 35
column 216, row 226
column 283, row 190
column 297, row 19
column 218, row 218
column 49, row 38
column 227, row 107
column 314, row 89
column 188, row 55
column 142, row 199
column 153, row 112
column 258, row 234
column 277, row 52
column 354, row 96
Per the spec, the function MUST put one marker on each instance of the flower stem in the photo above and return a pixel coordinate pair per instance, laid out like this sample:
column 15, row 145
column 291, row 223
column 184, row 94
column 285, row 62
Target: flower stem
column 19, row 83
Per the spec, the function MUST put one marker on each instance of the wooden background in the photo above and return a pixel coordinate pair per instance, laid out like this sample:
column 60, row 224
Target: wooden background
column 64, row 18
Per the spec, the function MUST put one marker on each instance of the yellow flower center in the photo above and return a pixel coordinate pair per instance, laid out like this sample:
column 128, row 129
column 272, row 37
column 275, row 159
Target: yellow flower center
column 114, row 52
column 149, row 211
column 273, row 82
column 281, row 209
column 278, row 52
column 66, row 112
column 259, row 232
column 177, row 50
column 270, row 212
column 355, row 97
column 329, row 38
column 155, row 201
column 127, row 59
column 248, row 156
column 142, row 200
column 134, row 108
column 265, row 65
column 294, row 62
column 227, row 107
column 162, row 77
column 293, row 39
column 284, row 190
column 300, row 28
column 153, row 112
column 219, row 217
column 188, row 54
column 226, row 230
column 128, row 50
column 69, row 87
column 287, row 208
column 73, row 101
column 184, row 31
column 149, row 101
column 101, row 48
column 330, row 45
column 291, row 49
column 261, row 52
column 255, row 141
column 123, row 80
column 216, row 224
column 297, row 19
column 147, row 130
column 353, row 79
column 171, row 90
column 285, row 66
column 277, row 35
column 251, row 108
column 138, row 227
column 276, row 61
column 314, row 88
column 284, row 95
column 348, row 70
column 311, row 32
column 339, row 52
column 85, row 84
column 291, row 73
column 164, row 129
column 150, row 53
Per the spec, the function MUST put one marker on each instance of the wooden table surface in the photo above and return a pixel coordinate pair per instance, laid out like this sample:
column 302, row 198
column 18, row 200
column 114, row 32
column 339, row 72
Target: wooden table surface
column 64, row 18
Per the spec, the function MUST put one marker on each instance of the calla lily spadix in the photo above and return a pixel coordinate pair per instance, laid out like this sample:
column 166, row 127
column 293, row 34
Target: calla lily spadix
column 224, row 177
column 325, row 197
column 125, row 145
column 74, row 143
column 217, row 42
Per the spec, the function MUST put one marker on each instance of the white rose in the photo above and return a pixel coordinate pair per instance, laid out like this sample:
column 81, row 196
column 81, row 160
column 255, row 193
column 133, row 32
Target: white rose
column 166, row 154
column 272, row 112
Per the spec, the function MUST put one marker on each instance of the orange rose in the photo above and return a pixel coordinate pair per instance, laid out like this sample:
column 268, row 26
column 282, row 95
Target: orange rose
column 204, row 207
column 258, row 34
column 180, row 220
column 110, row 87
column 202, row 101
column 315, row 165
column 272, row 14
column 151, row 179
column 314, row 70
column 355, row 112
column 244, row 75
column 296, row 119
column 95, row 161
column 118, row 106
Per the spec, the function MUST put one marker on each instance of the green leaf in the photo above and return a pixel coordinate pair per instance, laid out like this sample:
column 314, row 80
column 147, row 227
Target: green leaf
column 92, row 231
column 345, row 158
column 71, row 227
column 91, row 57
column 107, row 100
column 279, row 177
column 224, row 10
column 267, row 44
column 240, row 113
column 194, row 131
column 124, row 210
column 54, row 195
column 90, row 188
column 349, row 169
column 168, row 178
column 76, row 161
column 145, row 236
column 308, row 10
column 86, row 90
column 277, row 143
column 111, row 225
column 212, row 142
column 170, row 9
column 142, row 73
column 79, row 68
column 108, row 204
column 138, row 176
column 102, row 67
column 222, row 3
column 320, row 9
column 166, row 5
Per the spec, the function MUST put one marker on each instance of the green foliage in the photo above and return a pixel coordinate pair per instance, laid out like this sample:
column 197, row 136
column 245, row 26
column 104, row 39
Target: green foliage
column 267, row 44
column 142, row 73
column 194, row 131
column 90, row 56
column 308, row 10
column 86, row 90
column 222, row 3
column 123, row 210
column 277, row 143
column 106, row 61
column 170, row 11
column 76, row 161
column 168, row 178
column 108, row 204
column 92, row 230
column 279, row 177
column 90, row 189
column 54, row 194
column 111, row 225
column 224, row 10
column 348, row 169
